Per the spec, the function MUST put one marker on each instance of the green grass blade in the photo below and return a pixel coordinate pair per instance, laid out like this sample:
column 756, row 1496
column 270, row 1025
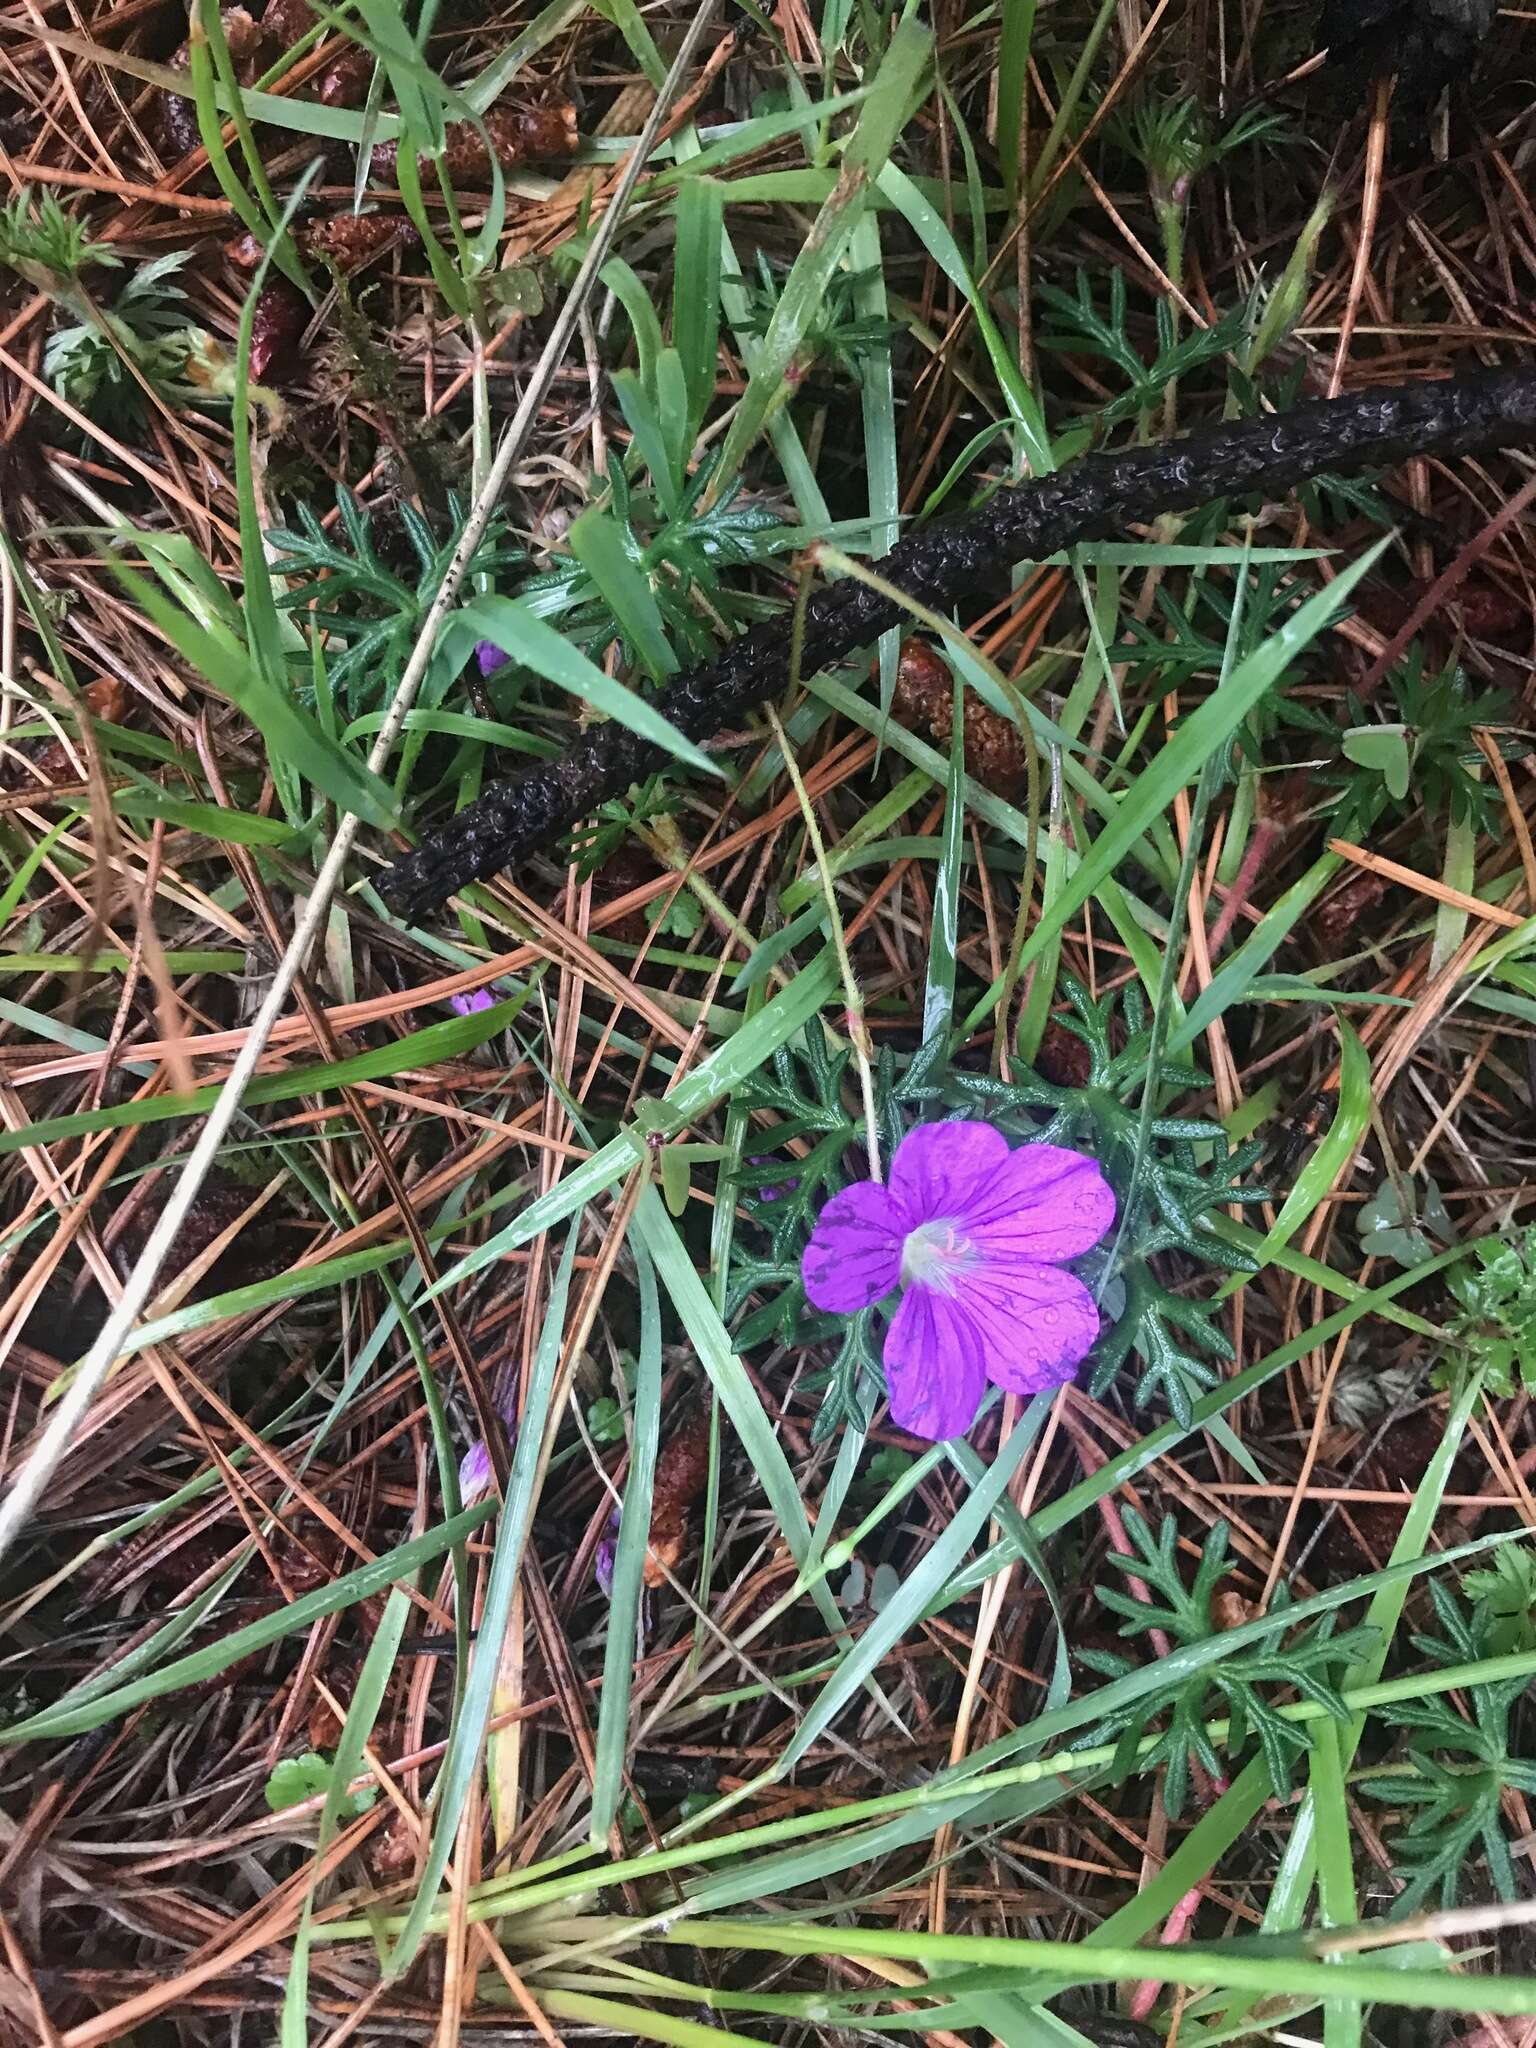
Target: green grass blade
column 372, row 1684
column 1350, row 1122
column 928, row 224
column 510, row 623
column 730, row 1380
column 293, row 738
column 597, row 541
column 919, row 1588
column 430, row 1047
column 881, row 119
column 611, row 1741
column 710, row 1082
column 69, row 1716
column 1198, row 737
column 466, row 1743
column 1233, row 1964
column 696, row 292
column 939, row 985
column 1012, row 86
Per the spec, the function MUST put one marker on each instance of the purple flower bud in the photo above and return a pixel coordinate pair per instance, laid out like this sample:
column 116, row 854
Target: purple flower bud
column 474, row 999
column 475, row 1466
column 607, row 1557
column 474, row 1472
column 489, row 657
column 776, row 1190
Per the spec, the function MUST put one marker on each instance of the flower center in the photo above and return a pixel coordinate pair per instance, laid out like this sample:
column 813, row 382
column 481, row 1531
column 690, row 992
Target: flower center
column 935, row 1255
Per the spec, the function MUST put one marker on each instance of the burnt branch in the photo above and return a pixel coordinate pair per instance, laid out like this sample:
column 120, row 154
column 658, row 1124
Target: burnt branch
column 1094, row 499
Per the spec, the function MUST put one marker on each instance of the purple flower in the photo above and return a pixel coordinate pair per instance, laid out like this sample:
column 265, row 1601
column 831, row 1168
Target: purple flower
column 474, row 999
column 489, row 657
column 975, row 1235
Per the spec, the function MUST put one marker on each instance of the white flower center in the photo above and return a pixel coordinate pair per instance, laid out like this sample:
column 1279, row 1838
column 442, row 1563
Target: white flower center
column 935, row 1255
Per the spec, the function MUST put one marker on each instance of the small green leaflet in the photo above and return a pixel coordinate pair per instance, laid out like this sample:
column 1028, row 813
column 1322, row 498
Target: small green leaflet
column 1384, row 748
column 296, row 1779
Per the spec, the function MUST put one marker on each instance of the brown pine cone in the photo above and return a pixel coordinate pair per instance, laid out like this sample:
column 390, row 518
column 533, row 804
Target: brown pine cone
column 682, row 1470
column 1063, row 1058
column 281, row 315
column 248, row 50
column 925, row 700
column 346, row 239
column 1335, row 919
column 344, row 82
column 286, row 21
column 517, row 135
column 49, row 760
column 350, row 240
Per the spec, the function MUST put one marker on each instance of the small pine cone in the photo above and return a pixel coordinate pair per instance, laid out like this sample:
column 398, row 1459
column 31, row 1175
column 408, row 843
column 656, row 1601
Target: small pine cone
column 1063, row 1059
column 1428, row 44
column 248, row 50
column 391, row 1852
column 1228, row 1610
column 682, row 1471
column 51, row 762
column 1335, row 920
column 280, row 318
column 324, row 1725
column 286, row 21
column 516, row 135
column 178, row 130
column 309, row 1559
column 994, row 750
column 325, row 1720
column 247, row 42
column 344, row 82
column 221, row 1201
column 524, row 134
column 924, row 689
column 350, row 240
column 629, row 868
column 1488, row 612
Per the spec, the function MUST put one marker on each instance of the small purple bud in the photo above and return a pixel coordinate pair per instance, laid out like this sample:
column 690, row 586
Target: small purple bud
column 474, row 999
column 607, row 1557
column 776, row 1190
column 474, row 1472
column 489, row 657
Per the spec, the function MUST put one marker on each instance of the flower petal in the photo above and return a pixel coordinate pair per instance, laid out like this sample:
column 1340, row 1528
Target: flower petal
column 1047, row 1204
column 854, row 1256
column 939, row 1169
column 933, row 1366
column 1034, row 1324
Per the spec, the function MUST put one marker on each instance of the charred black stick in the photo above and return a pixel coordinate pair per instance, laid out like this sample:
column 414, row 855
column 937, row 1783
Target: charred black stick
column 1094, row 499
